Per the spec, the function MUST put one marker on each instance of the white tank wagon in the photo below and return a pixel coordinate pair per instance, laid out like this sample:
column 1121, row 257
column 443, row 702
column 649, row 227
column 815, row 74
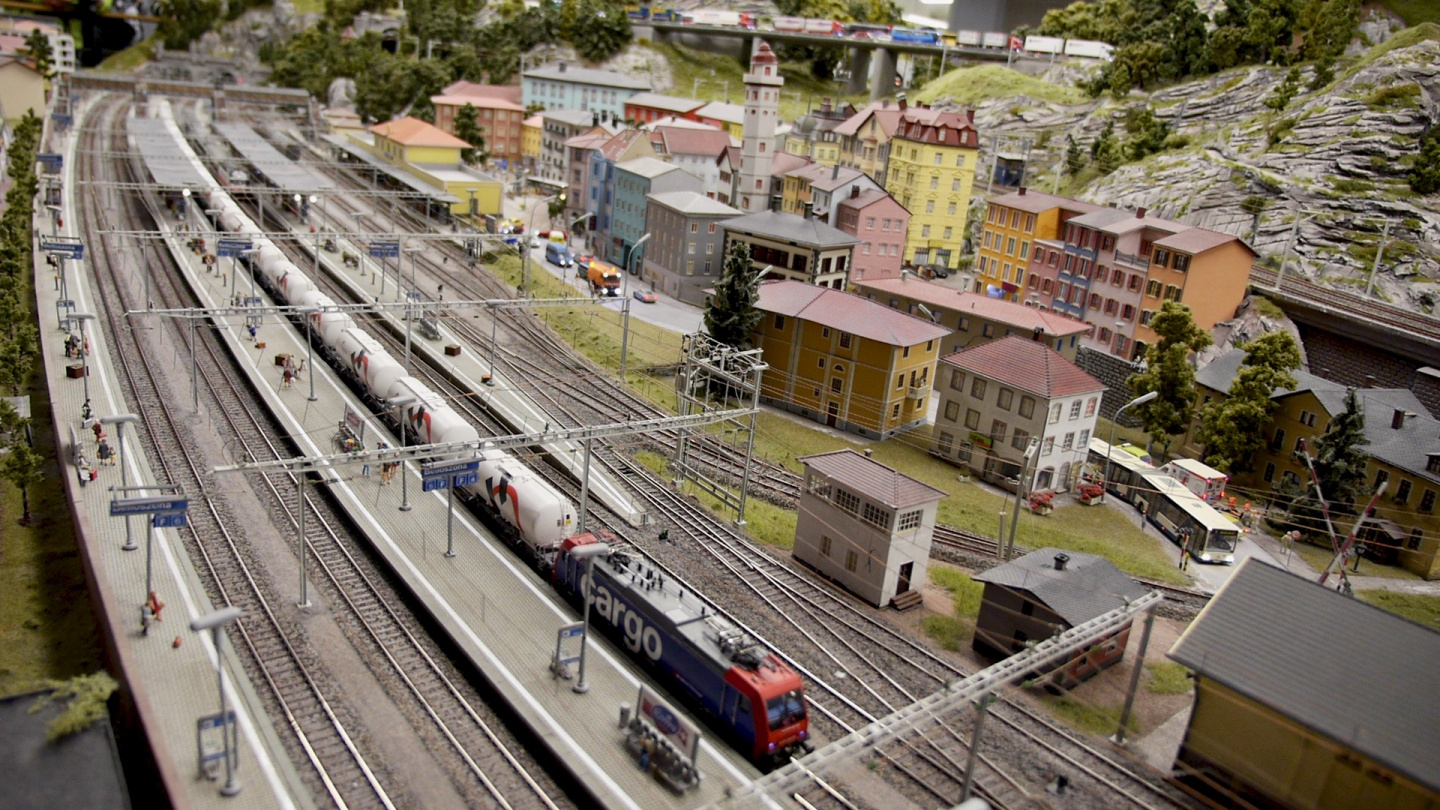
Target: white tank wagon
column 539, row 515
column 430, row 418
column 367, row 360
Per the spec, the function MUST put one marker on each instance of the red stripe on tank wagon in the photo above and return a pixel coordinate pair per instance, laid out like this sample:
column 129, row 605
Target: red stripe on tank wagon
column 514, row 503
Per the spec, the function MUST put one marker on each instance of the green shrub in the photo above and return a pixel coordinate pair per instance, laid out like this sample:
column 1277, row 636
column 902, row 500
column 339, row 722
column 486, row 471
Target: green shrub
column 1167, row 678
column 1396, row 95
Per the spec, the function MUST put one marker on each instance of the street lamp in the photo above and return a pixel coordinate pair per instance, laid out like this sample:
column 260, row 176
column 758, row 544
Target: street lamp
column 524, row 241
column 184, row 202
column 588, row 553
column 122, row 419
column 82, row 317
column 215, row 622
column 1105, row 478
column 399, row 403
column 625, row 306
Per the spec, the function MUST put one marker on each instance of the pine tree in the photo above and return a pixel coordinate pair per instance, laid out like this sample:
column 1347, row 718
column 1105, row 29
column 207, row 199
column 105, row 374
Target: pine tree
column 1168, row 371
column 1234, row 428
column 1424, row 174
column 467, row 129
column 1285, row 91
column 1074, row 157
column 730, row 314
column 1340, row 456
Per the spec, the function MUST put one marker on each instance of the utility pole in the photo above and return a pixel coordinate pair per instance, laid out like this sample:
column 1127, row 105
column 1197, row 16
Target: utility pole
column 980, row 709
column 1119, row 738
column 1380, row 251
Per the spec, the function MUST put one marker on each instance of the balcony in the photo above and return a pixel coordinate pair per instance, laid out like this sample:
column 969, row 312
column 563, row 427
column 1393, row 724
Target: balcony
column 917, row 392
column 1133, row 260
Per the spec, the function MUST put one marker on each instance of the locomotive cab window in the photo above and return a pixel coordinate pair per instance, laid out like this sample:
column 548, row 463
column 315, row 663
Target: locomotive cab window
column 785, row 710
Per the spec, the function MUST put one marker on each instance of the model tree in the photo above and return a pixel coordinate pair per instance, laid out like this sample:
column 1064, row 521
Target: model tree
column 730, row 314
column 467, row 129
column 1233, row 429
column 1168, row 371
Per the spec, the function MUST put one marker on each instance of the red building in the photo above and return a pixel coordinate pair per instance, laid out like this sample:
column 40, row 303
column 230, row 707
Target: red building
column 645, row 108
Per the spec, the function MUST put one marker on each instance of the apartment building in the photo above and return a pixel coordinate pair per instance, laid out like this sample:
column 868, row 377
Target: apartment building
column 931, row 173
column 1013, row 223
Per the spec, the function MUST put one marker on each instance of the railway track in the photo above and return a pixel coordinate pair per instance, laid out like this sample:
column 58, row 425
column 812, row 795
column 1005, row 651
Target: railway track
column 881, row 669
column 488, row 764
column 1348, row 304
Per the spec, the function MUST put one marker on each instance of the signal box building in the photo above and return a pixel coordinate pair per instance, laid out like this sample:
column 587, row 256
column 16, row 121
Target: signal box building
column 866, row 526
column 1308, row 699
column 842, row 360
column 1049, row 591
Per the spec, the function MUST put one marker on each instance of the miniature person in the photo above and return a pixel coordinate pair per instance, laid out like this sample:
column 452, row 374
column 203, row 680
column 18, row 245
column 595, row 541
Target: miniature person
column 286, row 377
column 105, row 454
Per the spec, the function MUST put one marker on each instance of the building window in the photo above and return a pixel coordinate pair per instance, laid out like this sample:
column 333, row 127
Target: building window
column 1084, row 440
column 1427, row 501
column 895, row 411
column 988, row 330
column 951, row 209
column 1307, row 419
column 1055, row 413
column 1021, row 440
column 1172, row 293
column 1416, row 535
column 844, row 340
column 1027, row 406
column 1269, row 473
column 909, row 520
column 1182, row 262
column 947, row 442
column 957, row 380
column 1162, row 257
column 1069, row 443
column 1004, row 398
column 1153, row 288
column 837, row 385
column 847, row 501
column 824, row 546
column 925, row 231
column 977, row 389
column 1127, row 312
column 852, row 560
column 952, row 411
column 1075, row 409
column 1010, row 246
column 972, row 419
column 1048, row 447
column 1402, row 494
column 997, row 431
column 779, row 321
column 1381, row 477
column 877, row 516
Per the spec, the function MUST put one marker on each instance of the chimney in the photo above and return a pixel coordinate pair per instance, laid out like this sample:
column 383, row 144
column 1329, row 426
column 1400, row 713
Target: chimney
column 809, row 210
column 1139, row 213
column 1398, row 420
column 868, row 451
column 1060, row 561
column 835, row 172
column 854, row 192
column 900, row 101
column 825, row 105
column 1038, row 335
column 884, row 103
column 1022, row 191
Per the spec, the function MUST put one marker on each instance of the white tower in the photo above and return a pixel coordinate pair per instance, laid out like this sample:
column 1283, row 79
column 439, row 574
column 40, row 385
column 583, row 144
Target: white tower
column 762, row 110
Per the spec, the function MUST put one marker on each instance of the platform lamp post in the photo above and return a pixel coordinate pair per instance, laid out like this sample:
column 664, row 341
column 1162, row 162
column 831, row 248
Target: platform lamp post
column 588, row 553
column 311, row 314
column 409, row 302
column 82, row 317
column 1109, row 449
column 399, row 403
column 216, row 622
column 55, row 212
column 625, row 307
column 184, row 202
column 122, row 419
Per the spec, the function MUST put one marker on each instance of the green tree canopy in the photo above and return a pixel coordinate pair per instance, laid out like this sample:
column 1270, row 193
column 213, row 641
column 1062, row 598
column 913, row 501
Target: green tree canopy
column 37, row 45
column 184, row 21
column 467, row 129
column 1146, row 133
column 1340, row 456
column 1424, row 175
column 1234, row 428
column 730, row 314
column 1168, row 372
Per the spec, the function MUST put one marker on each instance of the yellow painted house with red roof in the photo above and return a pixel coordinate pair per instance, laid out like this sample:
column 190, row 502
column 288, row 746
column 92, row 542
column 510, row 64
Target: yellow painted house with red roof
column 432, row 156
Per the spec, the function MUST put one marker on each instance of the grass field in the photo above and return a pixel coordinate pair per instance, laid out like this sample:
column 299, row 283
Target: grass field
column 1167, row 678
column 974, row 84
column 128, row 59
column 954, row 630
column 47, row 629
column 1419, row 608
column 1088, row 717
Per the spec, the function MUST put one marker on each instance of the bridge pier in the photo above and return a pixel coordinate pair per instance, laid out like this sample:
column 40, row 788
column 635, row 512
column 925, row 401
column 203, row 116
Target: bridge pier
column 882, row 73
column 859, row 63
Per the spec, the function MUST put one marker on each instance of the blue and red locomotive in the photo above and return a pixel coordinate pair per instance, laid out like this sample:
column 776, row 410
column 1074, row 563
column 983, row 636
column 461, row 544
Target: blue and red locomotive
column 743, row 690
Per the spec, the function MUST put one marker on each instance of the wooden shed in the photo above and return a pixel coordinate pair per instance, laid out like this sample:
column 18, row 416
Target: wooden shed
column 1049, row 591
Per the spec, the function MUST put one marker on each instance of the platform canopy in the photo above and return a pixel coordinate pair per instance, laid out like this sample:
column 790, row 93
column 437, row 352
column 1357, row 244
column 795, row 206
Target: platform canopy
column 281, row 172
column 168, row 166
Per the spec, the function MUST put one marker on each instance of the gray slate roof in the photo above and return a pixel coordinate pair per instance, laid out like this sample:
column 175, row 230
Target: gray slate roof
column 692, row 203
column 879, row 483
column 576, row 75
column 1350, row 671
column 1407, row 447
column 791, row 228
column 1088, row 587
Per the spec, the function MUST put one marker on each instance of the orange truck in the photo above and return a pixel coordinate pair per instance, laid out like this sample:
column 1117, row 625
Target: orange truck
column 604, row 278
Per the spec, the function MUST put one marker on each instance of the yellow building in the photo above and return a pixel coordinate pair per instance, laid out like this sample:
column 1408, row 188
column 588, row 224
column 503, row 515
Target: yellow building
column 1012, row 224
column 532, row 132
column 21, row 88
column 931, row 172
column 845, row 361
column 865, row 138
column 433, row 156
column 813, row 134
column 1402, row 442
column 1307, row 699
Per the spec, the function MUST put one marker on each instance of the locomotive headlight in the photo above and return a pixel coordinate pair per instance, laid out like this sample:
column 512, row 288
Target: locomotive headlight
column 770, row 748
column 804, row 734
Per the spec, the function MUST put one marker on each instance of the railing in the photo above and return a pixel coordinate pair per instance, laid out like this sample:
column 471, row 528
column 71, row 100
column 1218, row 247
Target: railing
column 1132, row 260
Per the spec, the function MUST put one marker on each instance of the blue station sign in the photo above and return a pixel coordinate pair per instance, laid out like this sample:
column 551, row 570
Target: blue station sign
column 121, row 507
column 384, row 250
column 442, row 475
column 70, row 250
column 51, row 162
column 233, row 247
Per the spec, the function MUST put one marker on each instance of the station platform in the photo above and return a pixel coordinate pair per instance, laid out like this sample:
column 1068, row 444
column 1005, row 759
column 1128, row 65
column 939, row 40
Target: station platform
column 169, row 687
column 498, row 611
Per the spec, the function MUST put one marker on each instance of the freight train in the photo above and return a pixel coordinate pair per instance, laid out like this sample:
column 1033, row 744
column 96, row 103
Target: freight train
column 750, row 697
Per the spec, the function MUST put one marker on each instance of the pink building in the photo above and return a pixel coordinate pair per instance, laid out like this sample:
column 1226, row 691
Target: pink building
column 880, row 222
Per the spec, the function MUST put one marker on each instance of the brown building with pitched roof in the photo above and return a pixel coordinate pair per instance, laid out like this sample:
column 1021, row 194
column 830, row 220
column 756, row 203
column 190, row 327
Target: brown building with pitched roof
column 865, row 138
column 499, row 117
column 866, row 526
column 843, row 360
column 997, row 397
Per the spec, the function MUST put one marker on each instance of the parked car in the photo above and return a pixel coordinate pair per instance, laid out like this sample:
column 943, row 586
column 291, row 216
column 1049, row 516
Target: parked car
column 645, row 297
column 558, row 254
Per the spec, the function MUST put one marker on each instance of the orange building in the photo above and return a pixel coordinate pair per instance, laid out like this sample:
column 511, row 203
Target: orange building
column 499, row 119
column 1012, row 224
column 1206, row 270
